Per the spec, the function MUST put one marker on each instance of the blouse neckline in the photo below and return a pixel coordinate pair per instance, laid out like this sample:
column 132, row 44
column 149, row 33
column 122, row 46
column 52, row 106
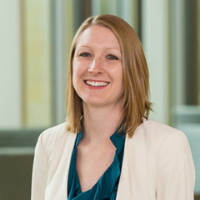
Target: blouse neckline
column 108, row 182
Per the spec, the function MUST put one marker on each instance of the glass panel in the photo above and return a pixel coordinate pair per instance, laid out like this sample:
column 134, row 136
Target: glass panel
column 36, row 68
column 26, row 65
column 186, row 74
column 198, row 22
column 10, row 65
column 127, row 9
column 185, row 61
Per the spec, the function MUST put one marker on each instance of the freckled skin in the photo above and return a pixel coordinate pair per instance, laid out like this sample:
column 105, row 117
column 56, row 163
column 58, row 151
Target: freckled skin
column 98, row 58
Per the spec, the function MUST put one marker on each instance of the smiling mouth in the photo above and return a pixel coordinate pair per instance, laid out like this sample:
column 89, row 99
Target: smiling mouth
column 96, row 83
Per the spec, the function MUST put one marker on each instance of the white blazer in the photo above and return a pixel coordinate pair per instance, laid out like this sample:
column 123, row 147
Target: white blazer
column 157, row 164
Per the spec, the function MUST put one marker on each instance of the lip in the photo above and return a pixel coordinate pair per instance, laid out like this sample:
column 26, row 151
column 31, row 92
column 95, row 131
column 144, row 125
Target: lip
column 96, row 86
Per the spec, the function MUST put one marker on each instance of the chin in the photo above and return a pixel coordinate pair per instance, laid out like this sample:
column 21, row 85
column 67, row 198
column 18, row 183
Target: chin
column 95, row 103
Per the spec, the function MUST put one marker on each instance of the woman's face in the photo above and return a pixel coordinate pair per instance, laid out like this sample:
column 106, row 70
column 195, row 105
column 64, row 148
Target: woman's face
column 97, row 67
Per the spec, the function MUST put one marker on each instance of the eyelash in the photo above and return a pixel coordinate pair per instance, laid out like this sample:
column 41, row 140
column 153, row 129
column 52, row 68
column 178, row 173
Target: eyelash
column 112, row 57
column 109, row 56
column 85, row 54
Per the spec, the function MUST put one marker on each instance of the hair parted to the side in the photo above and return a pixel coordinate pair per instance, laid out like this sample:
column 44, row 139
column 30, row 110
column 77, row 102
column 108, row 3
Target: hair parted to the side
column 136, row 102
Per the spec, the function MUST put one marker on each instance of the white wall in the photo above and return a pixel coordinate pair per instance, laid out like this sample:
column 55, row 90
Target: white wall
column 155, row 39
column 10, row 64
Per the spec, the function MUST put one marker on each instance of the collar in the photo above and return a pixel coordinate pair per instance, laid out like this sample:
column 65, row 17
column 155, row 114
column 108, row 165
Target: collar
column 117, row 138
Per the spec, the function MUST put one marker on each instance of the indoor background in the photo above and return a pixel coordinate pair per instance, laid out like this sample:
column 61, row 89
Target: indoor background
column 35, row 37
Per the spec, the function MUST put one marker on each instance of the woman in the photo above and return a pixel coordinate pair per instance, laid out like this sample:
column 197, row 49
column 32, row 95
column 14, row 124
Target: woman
column 108, row 148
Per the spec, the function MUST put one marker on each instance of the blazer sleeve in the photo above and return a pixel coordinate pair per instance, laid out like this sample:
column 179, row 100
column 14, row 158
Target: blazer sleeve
column 40, row 171
column 175, row 169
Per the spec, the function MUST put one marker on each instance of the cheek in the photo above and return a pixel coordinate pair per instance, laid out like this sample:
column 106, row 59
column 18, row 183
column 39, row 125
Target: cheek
column 120, row 74
column 117, row 73
column 78, row 71
column 75, row 80
column 75, row 74
column 119, row 77
column 79, row 67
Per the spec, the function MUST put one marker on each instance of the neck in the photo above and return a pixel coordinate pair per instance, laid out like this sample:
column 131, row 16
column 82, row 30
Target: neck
column 100, row 123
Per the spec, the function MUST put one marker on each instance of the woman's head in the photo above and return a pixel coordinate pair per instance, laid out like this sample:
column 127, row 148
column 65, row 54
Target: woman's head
column 97, row 69
column 136, row 103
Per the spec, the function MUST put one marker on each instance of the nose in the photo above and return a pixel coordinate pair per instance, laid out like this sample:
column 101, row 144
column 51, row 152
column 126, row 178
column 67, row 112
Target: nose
column 95, row 66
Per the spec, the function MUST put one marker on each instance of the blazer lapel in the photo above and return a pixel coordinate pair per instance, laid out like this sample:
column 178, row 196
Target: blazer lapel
column 124, row 191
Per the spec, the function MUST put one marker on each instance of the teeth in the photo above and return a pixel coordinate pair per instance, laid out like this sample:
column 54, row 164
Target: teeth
column 92, row 83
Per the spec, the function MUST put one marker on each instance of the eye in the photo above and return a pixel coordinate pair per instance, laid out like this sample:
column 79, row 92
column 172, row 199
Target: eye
column 112, row 57
column 84, row 54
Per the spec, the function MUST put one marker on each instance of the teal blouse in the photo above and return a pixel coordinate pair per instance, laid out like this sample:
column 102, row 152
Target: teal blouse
column 106, row 186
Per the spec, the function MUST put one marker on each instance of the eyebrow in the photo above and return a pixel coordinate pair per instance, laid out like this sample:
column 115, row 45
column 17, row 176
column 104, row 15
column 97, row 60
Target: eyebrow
column 85, row 46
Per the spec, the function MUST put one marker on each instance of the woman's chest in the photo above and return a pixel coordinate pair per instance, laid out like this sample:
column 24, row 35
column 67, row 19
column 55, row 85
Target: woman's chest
column 91, row 163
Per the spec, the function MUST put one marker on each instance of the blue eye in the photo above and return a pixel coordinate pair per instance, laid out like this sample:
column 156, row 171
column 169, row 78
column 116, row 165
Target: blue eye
column 112, row 57
column 85, row 54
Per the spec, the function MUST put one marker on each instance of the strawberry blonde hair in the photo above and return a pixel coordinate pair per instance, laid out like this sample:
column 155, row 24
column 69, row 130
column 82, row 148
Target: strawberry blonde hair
column 136, row 104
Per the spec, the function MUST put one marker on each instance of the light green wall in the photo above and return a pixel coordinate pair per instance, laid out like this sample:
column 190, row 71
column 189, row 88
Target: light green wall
column 10, row 64
column 155, row 40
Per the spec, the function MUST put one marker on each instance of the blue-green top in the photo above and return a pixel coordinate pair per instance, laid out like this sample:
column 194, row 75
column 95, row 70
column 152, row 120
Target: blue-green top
column 106, row 186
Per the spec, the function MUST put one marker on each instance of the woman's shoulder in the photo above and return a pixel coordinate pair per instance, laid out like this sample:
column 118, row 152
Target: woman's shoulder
column 53, row 138
column 51, row 134
column 156, row 130
column 55, row 131
column 156, row 135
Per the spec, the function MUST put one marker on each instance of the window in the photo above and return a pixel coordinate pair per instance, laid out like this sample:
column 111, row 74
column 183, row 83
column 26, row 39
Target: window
column 185, row 62
column 185, row 73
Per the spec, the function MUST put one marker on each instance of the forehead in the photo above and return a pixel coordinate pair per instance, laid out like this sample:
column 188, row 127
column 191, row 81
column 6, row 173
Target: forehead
column 96, row 34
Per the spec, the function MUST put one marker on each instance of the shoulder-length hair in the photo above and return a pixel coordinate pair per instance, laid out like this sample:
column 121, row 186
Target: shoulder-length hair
column 136, row 104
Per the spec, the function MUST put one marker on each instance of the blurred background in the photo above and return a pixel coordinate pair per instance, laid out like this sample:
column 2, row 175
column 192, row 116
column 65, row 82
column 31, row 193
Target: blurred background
column 35, row 37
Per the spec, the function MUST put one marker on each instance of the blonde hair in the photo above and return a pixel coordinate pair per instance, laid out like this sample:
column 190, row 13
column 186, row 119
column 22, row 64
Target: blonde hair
column 136, row 104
